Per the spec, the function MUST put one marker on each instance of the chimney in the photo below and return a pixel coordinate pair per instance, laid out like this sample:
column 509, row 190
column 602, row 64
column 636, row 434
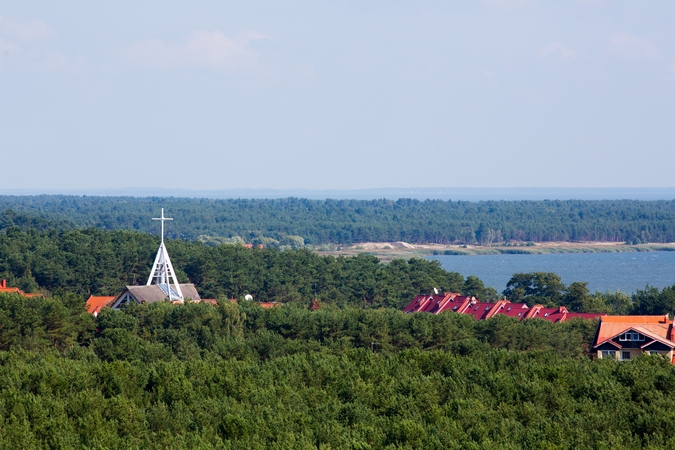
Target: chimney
column 3, row 284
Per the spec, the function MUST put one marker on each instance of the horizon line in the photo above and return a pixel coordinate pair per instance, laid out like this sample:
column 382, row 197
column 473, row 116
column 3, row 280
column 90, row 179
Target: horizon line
column 418, row 193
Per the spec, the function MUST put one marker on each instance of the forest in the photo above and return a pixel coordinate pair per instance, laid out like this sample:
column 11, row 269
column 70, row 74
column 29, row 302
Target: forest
column 356, row 373
column 294, row 223
column 238, row 376
column 97, row 262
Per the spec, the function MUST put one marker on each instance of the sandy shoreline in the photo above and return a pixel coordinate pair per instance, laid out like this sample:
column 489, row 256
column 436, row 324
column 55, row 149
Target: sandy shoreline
column 387, row 251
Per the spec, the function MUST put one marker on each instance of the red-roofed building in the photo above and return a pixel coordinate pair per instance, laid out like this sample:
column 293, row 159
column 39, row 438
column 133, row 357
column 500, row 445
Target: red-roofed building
column 515, row 310
column 14, row 290
column 437, row 303
column 96, row 302
column 480, row 310
column 461, row 304
column 625, row 337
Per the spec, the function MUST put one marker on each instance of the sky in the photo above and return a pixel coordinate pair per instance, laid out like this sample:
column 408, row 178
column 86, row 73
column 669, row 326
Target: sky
column 336, row 95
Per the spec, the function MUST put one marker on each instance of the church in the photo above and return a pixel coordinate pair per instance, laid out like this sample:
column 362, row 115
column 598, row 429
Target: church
column 161, row 285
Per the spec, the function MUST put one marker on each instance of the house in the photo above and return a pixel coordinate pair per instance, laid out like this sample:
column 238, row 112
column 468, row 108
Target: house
column 96, row 302
column 437, row 303
column 462, row 304
column 14, row 290
column 625, row 337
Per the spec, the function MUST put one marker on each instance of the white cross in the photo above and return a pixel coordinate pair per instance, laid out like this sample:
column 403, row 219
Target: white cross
column 163, row 219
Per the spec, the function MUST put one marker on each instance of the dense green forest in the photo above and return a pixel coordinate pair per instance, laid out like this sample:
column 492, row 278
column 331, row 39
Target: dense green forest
column 357, row 373
column 93, row 261
column 292, row 222
column 238, row 376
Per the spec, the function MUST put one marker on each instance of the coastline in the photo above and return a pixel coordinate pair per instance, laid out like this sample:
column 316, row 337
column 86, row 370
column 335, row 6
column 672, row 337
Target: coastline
column 386, row 251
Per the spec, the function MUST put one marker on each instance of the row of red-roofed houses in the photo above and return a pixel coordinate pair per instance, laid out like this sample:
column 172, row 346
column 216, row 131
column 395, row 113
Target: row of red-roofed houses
column 617, row 337
column 462, row 304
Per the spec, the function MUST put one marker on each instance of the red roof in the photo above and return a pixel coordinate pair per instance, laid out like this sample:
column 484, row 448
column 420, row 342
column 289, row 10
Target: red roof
column 550, row 314
column 95, row 303
column 654, row 328
column 437, row 303
column 14, row 290
column 517, row 310
column 479, row 310
column 611, row 326
column 462, row 304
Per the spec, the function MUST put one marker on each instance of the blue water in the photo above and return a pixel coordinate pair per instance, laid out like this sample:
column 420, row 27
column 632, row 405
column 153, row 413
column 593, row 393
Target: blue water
column 625, row 272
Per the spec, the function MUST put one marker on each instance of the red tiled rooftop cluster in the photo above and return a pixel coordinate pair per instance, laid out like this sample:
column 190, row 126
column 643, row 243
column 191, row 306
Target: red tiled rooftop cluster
column 462, row 304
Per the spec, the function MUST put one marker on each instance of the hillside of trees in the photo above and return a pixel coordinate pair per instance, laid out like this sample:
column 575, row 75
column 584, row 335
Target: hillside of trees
column 98, row 262
column 93, row 261
column 356, row 373
column 238, row 376
column 293, row 223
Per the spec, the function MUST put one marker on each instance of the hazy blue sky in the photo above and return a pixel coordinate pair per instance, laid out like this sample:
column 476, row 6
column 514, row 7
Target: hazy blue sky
column 337, row 95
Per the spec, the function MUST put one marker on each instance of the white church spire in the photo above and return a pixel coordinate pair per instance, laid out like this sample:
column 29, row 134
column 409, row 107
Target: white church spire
column 162, row 272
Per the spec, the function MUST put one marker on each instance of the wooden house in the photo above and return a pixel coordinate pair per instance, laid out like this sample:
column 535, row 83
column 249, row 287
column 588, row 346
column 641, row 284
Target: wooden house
column 625, row 337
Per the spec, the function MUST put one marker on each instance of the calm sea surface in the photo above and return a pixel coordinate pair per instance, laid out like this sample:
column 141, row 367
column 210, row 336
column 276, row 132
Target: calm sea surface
column 626, row 272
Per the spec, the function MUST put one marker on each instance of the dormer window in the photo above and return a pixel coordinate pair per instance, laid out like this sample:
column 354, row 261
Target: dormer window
column 519, row 314
column 487, row 308
column 455, row 308
column 546, row 315
column 631, row 336
column 508, row 309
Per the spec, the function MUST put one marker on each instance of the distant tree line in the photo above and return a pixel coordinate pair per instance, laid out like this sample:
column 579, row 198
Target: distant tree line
column 293, row 222
column 93, row 261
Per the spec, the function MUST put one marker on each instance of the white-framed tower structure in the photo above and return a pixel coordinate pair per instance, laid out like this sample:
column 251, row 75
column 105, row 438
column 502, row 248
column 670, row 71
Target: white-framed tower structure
column 162, row 273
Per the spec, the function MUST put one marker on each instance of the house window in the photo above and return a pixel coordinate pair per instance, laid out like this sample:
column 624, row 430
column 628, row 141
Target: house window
column 455, row 308
column 546, row 315
column 508, row 309
column 487, row 308
column 631, row 336
column 519, row 314
column 625, row 356
column 653, row 352
column 608, row 354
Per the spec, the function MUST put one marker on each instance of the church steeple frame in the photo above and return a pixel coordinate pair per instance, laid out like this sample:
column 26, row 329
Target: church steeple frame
column 162, row 273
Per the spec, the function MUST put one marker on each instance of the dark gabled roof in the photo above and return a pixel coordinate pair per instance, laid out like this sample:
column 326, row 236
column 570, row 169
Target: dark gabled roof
column 153, row 293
